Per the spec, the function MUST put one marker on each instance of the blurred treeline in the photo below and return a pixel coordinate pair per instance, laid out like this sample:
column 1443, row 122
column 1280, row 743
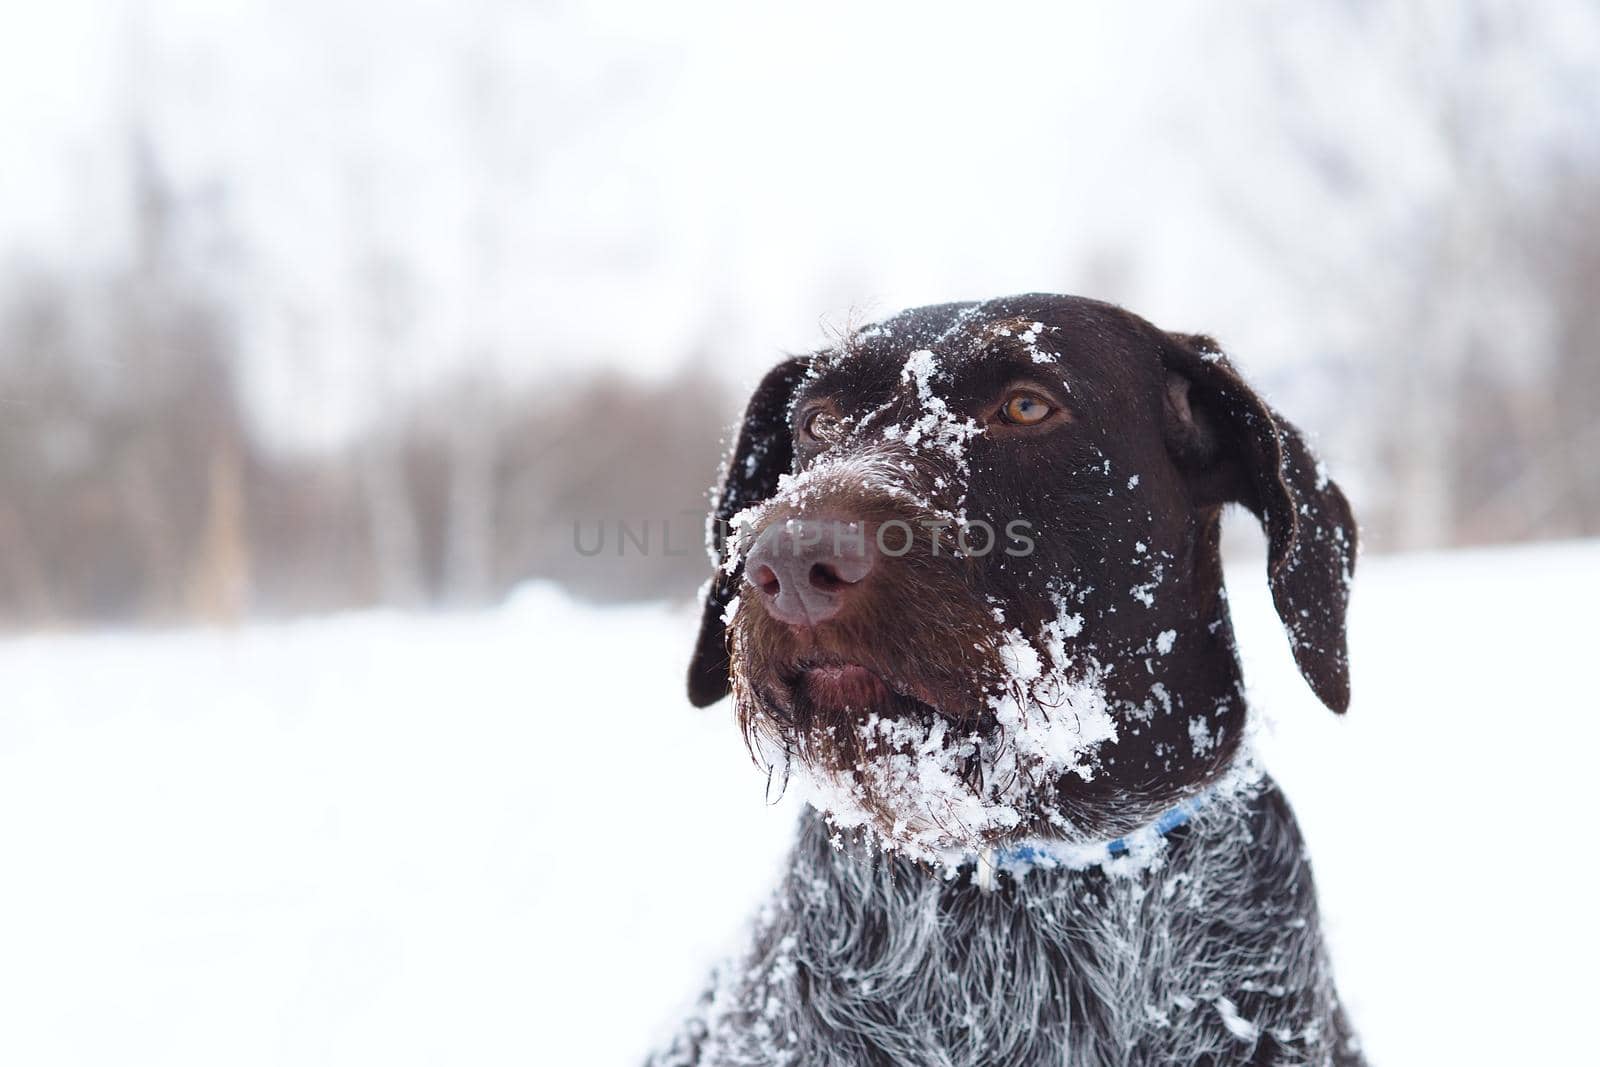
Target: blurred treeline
column 1451, row 369
column 134, row 485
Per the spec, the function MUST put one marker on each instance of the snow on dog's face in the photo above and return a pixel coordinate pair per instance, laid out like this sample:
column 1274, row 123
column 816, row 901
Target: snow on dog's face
column 967, row 585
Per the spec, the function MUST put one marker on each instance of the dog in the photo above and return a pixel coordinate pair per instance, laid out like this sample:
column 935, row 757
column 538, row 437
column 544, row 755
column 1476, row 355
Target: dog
column 968, row 596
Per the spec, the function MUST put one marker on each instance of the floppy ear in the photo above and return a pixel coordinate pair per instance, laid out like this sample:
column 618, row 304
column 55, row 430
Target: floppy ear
column 1235, row 448
column 764, row 451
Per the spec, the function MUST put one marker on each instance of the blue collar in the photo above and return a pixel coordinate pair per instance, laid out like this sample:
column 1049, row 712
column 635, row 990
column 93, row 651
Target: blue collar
column 1021, row 858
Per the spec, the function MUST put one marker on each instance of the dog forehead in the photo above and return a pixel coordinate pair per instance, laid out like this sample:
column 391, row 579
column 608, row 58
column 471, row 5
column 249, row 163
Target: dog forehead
column 963, row 348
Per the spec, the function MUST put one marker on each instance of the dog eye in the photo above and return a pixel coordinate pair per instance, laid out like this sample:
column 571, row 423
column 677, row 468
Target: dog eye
column 1025, row 409
column 822, row 425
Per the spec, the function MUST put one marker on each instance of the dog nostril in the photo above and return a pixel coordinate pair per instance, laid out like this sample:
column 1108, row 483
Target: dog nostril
column 766, row 580
column 824, row 577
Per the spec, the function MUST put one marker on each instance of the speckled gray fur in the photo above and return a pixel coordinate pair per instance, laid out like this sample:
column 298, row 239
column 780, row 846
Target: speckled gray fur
column 1211, row 955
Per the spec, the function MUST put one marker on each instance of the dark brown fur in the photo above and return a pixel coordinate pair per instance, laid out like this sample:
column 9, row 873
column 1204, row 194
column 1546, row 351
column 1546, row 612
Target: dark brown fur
column 1165, row 407
column 1212, row 955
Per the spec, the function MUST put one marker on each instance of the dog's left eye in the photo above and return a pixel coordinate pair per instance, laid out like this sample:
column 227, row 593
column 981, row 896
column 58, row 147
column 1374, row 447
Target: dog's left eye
column 822, row 425
column 1025, row 409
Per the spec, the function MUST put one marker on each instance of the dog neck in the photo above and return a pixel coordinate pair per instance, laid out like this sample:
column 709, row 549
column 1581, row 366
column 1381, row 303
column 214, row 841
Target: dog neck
column 1133, row 848
column 862, row 957
column 1174, row 683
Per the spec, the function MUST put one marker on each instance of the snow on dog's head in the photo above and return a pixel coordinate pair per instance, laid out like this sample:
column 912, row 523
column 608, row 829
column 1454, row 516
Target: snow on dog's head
column 968, row 588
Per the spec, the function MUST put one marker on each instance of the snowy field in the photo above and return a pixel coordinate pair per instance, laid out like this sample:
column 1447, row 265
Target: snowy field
column 506, row 839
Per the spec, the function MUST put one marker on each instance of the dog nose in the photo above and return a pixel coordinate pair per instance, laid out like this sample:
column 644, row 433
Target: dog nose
column 805, row 570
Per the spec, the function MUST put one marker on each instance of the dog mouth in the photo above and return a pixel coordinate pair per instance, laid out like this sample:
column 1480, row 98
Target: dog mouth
column 825, row 707
column 843, row 687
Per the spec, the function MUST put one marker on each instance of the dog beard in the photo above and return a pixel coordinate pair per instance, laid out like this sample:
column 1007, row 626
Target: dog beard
column 920, row 779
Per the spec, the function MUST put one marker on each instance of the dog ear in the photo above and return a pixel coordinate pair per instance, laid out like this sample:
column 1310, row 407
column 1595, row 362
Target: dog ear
column 764, row 450
column 1236, row 449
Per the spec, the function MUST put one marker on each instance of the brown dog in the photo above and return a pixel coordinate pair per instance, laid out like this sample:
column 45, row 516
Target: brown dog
column 969, row 593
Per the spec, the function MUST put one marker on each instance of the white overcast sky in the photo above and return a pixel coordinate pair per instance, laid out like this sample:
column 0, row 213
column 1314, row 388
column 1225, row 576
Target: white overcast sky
column 637, row 183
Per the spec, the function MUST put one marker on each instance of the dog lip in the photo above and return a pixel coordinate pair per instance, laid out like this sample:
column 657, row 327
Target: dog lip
column 847, row 682
column 842, row 682
column 838, row 672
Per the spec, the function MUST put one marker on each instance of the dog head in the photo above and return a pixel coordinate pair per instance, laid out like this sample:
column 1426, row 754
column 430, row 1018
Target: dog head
column 968, row 583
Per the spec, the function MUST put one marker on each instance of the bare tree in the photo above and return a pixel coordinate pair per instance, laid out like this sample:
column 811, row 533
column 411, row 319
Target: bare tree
column 1422, row 281
column 383, row 291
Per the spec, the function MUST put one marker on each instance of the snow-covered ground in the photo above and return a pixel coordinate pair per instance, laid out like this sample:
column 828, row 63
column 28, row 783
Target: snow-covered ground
column 506, row 838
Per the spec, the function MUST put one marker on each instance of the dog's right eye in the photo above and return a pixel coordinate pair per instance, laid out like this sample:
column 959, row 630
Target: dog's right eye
column 1024, row 408
column 822, row 425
